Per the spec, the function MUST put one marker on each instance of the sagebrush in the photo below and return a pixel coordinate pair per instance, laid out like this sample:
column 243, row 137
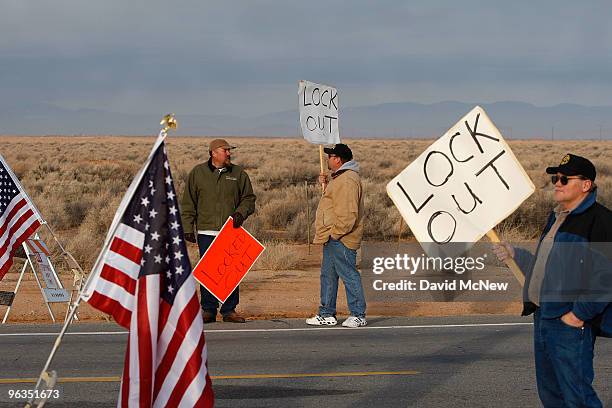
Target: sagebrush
column 78, row 182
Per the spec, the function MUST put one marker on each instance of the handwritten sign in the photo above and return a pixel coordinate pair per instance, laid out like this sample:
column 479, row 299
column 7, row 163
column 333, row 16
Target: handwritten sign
column 227, row 261
column 462, row 185
column 318, row 105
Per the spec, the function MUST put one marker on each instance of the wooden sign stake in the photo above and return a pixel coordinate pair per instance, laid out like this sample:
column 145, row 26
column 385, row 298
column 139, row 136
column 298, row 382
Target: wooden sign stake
column 510, row 262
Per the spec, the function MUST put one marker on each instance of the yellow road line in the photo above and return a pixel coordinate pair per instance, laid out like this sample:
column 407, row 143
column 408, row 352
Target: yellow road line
column 220, row 377
column 307, row 375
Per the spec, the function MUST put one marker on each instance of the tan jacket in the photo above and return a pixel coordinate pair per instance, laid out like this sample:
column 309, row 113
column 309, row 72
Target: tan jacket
column 340, row 211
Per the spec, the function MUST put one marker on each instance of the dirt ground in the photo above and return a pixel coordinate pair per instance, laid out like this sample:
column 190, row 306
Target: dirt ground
column 264, row 294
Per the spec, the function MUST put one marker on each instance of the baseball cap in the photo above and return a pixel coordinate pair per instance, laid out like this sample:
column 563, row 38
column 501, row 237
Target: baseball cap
column 341, row 150
column 217, row 143
column 572, row 165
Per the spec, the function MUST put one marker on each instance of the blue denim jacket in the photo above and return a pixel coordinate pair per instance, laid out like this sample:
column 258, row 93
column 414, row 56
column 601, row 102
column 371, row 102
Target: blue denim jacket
column 578, row 271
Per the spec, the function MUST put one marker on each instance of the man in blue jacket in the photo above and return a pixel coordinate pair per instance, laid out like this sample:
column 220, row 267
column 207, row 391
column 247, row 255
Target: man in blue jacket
column 568, row 285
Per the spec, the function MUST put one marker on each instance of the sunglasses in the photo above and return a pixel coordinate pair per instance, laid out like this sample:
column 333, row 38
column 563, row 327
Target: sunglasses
column 564, row 179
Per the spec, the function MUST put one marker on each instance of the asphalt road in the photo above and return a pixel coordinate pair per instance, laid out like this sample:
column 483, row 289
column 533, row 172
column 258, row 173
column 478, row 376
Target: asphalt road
column 394, row 362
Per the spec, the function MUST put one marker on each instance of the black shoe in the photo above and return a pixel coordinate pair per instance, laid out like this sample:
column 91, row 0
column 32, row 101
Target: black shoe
column 208, row 316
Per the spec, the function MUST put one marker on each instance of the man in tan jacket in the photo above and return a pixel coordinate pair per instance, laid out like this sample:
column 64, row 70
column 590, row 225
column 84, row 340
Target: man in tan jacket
column 339, row 227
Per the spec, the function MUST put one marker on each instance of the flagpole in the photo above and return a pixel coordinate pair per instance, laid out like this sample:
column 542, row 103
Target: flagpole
column 169, row 122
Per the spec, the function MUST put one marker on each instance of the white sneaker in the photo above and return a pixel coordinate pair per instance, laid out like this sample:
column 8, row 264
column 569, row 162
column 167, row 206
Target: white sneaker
column 353, row 321
column 322, row 321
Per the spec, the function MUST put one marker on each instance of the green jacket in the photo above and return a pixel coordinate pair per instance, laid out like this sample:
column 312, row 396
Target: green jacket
column 210, row 197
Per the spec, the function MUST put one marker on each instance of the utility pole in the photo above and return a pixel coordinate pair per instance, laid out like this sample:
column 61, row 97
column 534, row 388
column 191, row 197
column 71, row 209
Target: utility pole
column 600, row 132
column 552, row 133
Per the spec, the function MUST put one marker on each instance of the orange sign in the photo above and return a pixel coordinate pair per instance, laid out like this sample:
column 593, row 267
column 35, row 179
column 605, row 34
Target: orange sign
column 227, row 260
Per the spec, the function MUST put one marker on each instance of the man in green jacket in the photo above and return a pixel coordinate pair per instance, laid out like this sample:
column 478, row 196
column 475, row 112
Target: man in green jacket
column 339, row 227
column 216, row 190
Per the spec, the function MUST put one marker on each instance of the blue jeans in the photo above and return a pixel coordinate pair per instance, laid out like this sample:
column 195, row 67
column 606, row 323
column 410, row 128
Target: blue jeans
column 340, row 261
column 564, row 363
column 208, row 301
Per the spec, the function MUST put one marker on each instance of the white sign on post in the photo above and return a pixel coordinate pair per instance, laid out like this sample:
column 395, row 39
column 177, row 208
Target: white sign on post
column 462, row 186
column 53, row 290
column 318, row 105
column 40, row 253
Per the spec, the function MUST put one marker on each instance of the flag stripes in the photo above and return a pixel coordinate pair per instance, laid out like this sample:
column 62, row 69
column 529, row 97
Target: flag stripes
column 143, row 279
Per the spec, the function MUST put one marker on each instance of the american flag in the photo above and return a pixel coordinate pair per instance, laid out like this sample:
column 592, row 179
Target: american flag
column 143, row 279
column 19, row 218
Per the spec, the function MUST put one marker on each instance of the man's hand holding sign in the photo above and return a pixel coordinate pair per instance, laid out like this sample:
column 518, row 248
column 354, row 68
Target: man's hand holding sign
column 462, row 186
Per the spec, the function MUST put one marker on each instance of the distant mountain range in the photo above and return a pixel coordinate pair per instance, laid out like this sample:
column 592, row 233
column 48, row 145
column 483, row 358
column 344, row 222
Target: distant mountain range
column 390, row 120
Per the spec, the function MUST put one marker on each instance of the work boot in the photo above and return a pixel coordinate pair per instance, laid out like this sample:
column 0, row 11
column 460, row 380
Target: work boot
column 208, row 316
column 233, row 317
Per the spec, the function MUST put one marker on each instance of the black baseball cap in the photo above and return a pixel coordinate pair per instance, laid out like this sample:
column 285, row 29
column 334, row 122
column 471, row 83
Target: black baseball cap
column 572, row 165
column 341, row 150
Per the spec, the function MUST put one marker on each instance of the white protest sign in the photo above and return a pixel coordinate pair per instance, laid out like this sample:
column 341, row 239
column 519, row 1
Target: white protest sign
column 462, row 186
column 318, row 105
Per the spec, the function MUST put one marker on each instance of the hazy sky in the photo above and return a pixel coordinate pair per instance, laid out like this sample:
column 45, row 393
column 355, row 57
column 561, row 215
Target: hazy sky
column 246, row 57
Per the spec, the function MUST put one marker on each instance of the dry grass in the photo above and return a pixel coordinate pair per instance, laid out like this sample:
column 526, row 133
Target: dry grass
column 77, row 182
column 278, row 256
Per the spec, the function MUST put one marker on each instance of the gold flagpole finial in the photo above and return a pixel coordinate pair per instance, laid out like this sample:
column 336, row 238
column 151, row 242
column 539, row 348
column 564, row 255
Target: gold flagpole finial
column 168, row 122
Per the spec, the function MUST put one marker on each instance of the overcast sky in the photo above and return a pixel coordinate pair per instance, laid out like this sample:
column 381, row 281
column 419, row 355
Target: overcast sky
column 246, row 57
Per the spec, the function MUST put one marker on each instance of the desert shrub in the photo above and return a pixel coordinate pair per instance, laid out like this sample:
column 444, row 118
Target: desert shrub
column 277, row 256
column 77, row 182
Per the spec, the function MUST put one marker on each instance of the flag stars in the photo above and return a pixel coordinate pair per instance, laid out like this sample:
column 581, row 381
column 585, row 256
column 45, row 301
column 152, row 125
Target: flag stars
column 173, row 210
column 179, row 270
column 168, row 180
column 168, row 274
column 147, row 226
column 155, row 236
column 153, row 191
column 137, row 218
column 166, row 165
column 157, row 259
column 171, row 195
column 144, row 201
column 152, row 213
column 171, row 289
column 167, row 259
column 178, row 255
column 148, row 249
column 176, row 240
column 174, row 225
